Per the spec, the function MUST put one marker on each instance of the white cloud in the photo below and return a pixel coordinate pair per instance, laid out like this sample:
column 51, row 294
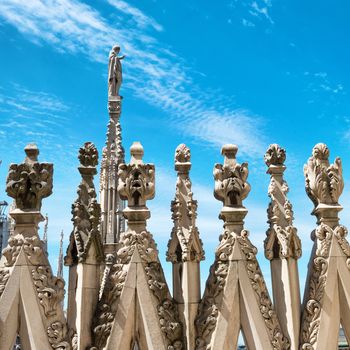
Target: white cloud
column 154, row 72
column 138, row 16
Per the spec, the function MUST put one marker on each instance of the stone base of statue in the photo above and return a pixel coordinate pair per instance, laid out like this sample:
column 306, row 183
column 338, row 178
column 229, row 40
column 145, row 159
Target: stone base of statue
column 114, row 104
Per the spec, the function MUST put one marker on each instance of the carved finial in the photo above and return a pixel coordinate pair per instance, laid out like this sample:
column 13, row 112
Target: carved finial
column 275, row 155
column 88, row 155
column 182, row 154
column 323, row 181
column 231, row 186
column 29, row 182
column 85, row 210
column 136, row 151
column 136, row 180
column 282, row 240
column 184, row 241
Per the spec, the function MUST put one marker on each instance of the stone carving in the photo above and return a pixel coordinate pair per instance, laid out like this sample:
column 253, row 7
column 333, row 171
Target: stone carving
column 29, row 182
column 85, row 210
column 185, row 234
column 57, row 334
column 323, row 235
column 32, row 246
column 4, row 276
column 114, row 71
column 278, row 341
column 323, row 181
column 168, row 318
column 50, row 289
column 208, row 310
column 136, row 180
column 107, row 306
column 282, row 240
column 143, row 241
column 231, row 186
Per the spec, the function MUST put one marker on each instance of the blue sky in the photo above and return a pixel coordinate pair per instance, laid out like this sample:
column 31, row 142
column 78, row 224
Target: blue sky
column 200, row 72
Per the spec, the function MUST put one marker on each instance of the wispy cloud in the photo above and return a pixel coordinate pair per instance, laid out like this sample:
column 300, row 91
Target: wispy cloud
column 154, row 72
column 260, row 9
column 138, row 16
column 27, row 116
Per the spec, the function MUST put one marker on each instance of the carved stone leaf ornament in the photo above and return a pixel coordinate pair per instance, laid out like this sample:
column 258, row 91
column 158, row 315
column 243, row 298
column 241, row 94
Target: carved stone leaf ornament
column 323, row 181
column 50, row 289
column 4, row 276
column 29, row 182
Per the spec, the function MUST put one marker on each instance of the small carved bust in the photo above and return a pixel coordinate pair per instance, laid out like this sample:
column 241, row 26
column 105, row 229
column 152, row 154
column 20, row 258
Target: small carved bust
column 29, row 182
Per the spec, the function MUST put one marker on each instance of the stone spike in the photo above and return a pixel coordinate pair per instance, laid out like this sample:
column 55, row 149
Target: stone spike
column 283, row 247
column 282, row 240
column 85, row 210
column 185, row 248
column 185, row 235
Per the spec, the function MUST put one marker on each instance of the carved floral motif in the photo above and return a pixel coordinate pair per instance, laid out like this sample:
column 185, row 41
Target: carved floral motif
column 323, row 181
column 167, row 312
column 29, row 182
column 50, row 289
column 275, row 155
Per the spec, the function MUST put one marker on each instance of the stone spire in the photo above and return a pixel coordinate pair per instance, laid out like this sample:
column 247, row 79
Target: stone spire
column 60, row 258
column 135, row 306
column 283, row 247
column 236, row 297
column 45, row 232
column 185, row 248
column 112, row 220
column 327, row 291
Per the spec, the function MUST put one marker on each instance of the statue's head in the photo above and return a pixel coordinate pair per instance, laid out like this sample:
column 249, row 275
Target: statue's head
column 116, row 48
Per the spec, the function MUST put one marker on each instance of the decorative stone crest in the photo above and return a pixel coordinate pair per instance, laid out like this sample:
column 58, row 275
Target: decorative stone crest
column 185, row 234
column 86, row 211
column 136, row 180
column 282, row 240
column 231, row 186
column 29, row 182
column 50, row 289
column 323, row 181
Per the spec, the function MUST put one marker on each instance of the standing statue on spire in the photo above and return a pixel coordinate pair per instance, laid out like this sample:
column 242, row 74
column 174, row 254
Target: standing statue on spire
column 114, row 71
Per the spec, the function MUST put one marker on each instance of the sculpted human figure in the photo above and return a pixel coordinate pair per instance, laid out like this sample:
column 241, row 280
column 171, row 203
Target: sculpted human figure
column 114, row 71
